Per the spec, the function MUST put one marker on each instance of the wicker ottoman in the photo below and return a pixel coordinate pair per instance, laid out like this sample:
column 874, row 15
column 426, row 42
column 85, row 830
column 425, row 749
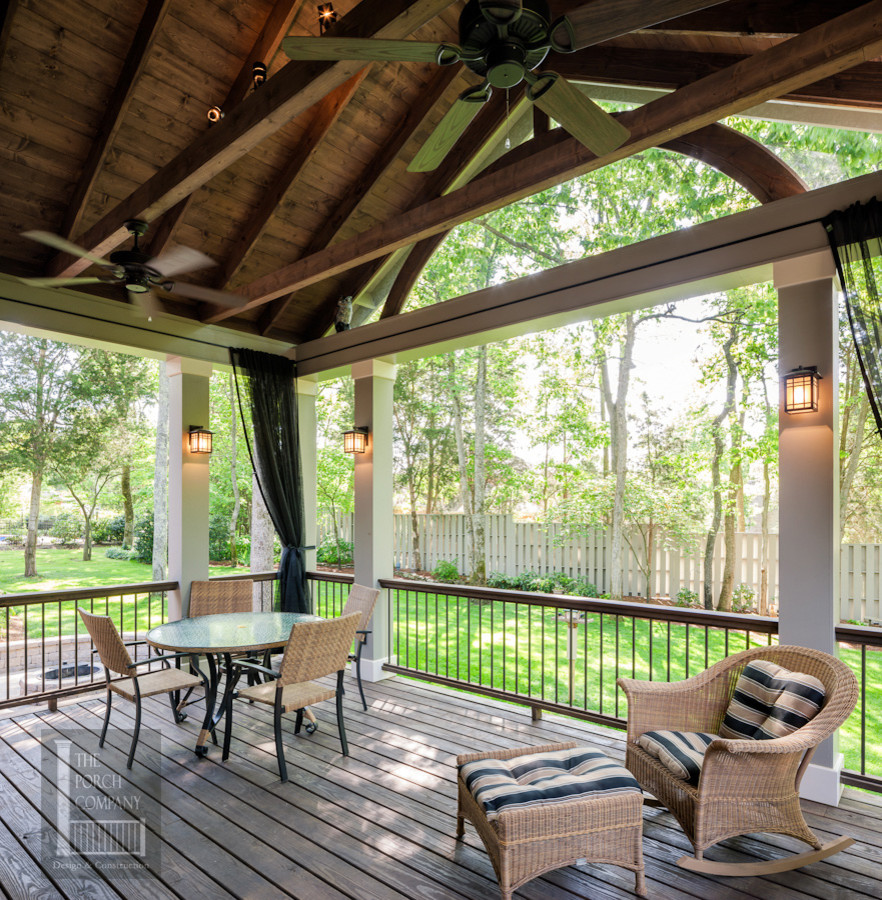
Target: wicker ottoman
column 540, row 808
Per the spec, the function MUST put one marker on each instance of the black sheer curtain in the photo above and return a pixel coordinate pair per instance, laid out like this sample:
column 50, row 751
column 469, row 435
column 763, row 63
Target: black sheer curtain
column 854, row 236
column 266, row 382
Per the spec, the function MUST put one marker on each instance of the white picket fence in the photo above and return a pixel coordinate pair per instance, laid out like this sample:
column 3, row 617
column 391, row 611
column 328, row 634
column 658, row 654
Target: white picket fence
column 514, row 547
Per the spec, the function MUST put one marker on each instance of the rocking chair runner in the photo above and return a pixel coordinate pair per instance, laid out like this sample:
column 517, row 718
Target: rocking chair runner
column 745, row 785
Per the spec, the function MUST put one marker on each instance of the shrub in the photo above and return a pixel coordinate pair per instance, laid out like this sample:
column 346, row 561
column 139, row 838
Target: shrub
column 218, row 538
column 109, row 531
column 143, row 549
column 582, row 587
column 335, row 553
column 743, row 599
column 446, row 572
column 118, row 553
column 685, row 597
column 68, row 527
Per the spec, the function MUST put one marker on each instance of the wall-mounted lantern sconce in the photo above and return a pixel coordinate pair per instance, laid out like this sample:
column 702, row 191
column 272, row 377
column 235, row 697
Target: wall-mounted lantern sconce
column 801, row 388
column 215, row 114
column 200, row 439
column 326, row 16
column 258, row 74
column 355, row 440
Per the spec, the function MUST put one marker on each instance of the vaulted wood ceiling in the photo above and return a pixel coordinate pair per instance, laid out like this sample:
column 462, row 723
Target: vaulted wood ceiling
column 300, row 192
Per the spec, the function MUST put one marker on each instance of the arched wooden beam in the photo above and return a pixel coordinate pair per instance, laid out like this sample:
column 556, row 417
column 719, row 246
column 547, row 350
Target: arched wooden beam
column 743, row 159
column 736, row 155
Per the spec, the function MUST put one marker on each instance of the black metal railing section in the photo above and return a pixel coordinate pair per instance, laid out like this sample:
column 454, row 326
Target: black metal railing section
column 329, row 592
column 45, row 650
column 564, row 654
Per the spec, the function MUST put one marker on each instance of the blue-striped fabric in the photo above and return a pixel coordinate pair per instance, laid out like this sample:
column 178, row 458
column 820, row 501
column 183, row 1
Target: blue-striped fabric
column 680, row 752
column 770, row 702
column 542, row 779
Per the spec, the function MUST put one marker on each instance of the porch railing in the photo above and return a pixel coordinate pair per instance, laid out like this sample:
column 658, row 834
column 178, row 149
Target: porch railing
column 45, row 651
column 564, row 654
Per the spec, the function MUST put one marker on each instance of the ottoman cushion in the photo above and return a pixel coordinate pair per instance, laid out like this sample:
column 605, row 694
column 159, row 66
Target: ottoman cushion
column 543, row 779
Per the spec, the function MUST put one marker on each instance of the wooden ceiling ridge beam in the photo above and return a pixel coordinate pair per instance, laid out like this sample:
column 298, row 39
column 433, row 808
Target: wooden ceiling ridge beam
column 115, row 111
column 276, row 26
column 290, row 92
column 416, row 261
column 367, row 181
column 327, row 112
column 466, row 149
column 837, row 45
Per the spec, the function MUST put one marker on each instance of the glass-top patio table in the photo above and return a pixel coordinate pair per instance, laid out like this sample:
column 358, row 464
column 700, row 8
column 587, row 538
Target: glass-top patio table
column 223, row 635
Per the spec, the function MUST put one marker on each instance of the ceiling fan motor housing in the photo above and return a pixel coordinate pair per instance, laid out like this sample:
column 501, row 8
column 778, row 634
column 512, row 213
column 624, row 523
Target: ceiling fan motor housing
column 505, row 53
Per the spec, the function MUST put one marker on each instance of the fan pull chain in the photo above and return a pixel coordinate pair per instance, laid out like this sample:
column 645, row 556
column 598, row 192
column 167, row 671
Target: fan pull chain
column 507, row 114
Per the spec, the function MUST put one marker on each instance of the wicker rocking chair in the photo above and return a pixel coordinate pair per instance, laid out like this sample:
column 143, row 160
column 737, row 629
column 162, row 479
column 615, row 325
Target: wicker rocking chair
column 745, row 785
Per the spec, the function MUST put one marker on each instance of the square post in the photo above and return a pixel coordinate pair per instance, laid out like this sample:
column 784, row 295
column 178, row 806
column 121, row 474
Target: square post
column 808, row 459
column 374, row 521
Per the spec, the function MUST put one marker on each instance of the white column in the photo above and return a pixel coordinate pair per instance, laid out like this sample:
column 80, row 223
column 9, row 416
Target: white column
column 188, row 492
column 808, row 462
column 373, row 538
column 306, row 391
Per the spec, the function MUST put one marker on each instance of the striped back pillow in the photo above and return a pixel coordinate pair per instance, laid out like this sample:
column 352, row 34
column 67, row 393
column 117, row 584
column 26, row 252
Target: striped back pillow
column 770, row 702
column 680, row 752
column 543, row 779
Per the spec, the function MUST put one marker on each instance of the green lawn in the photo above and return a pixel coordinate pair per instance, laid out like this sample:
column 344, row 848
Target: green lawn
column 64, row 570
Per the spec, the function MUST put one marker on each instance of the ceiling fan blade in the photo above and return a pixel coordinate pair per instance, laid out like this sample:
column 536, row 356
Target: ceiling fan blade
column 61, row 282
column 581, row 117
column 180, row 259
column 322, row 48
column 450, row 129
column 209, row 295
column 603, row 20
column 59, row 243
column 501, row 12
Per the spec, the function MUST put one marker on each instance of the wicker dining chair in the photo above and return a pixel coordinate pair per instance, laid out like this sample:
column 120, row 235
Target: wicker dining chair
column 314, row 650
column 744, row 785
column 112, row 652
column 208, row 598
column 361, row 600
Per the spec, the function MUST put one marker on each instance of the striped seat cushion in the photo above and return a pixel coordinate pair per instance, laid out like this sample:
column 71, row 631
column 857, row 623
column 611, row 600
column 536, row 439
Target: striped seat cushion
column 543, row 779
column 680, row 752
column 771, row 702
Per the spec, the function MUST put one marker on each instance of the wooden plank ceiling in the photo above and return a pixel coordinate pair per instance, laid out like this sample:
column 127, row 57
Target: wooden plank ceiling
column 300, row 193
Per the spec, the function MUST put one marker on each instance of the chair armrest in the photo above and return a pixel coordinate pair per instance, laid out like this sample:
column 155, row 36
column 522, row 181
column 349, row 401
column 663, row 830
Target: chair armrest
column 751, row 769
column 364, row 631
column 158, row 659
column 513, row 752
column 247, row 664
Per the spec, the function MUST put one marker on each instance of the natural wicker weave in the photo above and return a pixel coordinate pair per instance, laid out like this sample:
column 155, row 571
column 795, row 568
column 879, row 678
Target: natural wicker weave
column 524, row 843
column 208, row 598
column 745, row 785
column 115, row 657
column 314, row 650
column 362, row 600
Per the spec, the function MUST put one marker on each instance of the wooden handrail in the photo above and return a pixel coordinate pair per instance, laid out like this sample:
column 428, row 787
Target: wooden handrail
column 38, row 597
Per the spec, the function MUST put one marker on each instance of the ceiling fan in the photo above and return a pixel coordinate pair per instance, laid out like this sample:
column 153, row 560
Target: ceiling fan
column 504, row 42
column 140, row 273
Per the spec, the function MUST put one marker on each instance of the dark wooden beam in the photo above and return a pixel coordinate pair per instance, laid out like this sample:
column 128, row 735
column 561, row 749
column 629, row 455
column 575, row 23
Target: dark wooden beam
column 277, row 24
column 6, row 18
column 115, row 111
column 743, row 159
column 326, row 114
column 860, row 85
column 836, row 46
column 416, row 261
column 378, row 167
column 290, row 92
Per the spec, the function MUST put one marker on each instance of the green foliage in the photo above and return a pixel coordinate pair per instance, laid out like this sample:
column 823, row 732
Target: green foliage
column 530, row 581
column 743, row 599
column 335, row 553
column 143, row 549
column 109, row 531
column 686, row 597
column 446, row 572
column 118, row 553
column 68, row 527
column 218, row 537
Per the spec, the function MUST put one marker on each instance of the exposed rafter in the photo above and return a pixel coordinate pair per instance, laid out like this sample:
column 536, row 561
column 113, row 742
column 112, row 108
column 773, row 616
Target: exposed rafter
column 287, row 94
column 823, row 51
column 416, row 261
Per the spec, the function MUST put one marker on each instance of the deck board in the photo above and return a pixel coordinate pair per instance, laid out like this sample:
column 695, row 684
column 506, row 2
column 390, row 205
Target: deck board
column 378, row 825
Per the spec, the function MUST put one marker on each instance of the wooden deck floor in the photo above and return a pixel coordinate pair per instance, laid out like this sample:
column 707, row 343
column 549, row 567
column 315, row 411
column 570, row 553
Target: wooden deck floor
column 376, row 826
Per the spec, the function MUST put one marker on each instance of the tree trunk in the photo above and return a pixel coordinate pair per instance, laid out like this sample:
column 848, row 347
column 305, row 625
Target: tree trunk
column 853, row 456
column 763, row 606
column 479, row 557
column 160, row 481
column 125, row 486
column 728, row 580
column 30, row 554
column 261, row 546
column 87, row 538
column 237, row 503
column 464, row 490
